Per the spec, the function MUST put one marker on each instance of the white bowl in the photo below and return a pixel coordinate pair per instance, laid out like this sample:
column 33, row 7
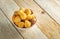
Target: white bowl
column 22, row 28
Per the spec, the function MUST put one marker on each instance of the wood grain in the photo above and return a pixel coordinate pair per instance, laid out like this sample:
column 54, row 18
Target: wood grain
column 52, row 7
column 7, row 31
column 9, row 8
column 58, row 2
column 47, row 25
column 34, row 33
column 45, row 28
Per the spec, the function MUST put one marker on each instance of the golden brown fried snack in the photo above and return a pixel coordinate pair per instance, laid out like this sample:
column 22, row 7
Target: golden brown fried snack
column 27, row 24
column 24, row 18
column 33, row 21
column 22, row 15
column 20, row 24
column 16, row 13
column 29, row 17
column 17, row 19
column 27, row 11
column 23, row 9
column 13, row 17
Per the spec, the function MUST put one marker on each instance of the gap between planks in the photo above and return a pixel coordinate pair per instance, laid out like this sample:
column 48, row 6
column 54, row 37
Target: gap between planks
column 47, row 25
column 11, row 23
column 7, row 31
column 9, row 9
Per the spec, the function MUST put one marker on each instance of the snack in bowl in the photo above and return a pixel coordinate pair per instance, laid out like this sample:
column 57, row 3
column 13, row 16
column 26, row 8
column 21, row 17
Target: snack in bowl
column 23, row 18
column 22, row 15
column 27, row 24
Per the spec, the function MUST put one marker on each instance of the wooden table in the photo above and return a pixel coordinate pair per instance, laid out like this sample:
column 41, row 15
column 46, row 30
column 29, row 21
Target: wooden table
column 46, row 12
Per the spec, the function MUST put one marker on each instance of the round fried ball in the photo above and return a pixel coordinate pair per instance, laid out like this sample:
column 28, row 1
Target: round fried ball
column 23, row 9
column 20, row 24
column 17, row 19
column 33, row 21
column 22, row 15
column 27, row 11
column 16, row 13
column 27, row 24
column 30, row 17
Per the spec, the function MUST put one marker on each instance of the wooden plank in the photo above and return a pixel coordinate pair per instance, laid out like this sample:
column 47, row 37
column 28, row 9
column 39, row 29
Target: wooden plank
column 7, row 31
column 8, row 7
column 33, row 33
column 58, row 2
column 45, row 23
column 52, row 7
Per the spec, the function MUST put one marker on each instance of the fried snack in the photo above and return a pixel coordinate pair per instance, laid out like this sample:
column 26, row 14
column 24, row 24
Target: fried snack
column 33, row 16
column 24, row 18
column 22, row 15
column 17, row 19
column 13, row 17
column 27, row 24
column 27, row 11
column 16, row 13
column 29, row 17
column 20, row 24
column 23, row 9
column 33, row 21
